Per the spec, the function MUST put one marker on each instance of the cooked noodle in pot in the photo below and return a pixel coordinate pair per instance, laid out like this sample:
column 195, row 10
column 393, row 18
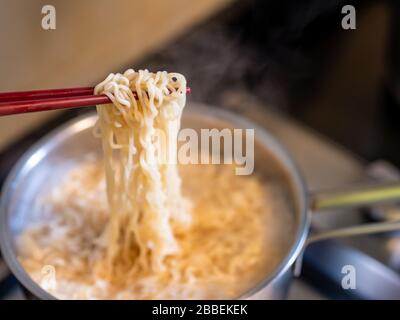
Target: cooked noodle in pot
column 127, row 227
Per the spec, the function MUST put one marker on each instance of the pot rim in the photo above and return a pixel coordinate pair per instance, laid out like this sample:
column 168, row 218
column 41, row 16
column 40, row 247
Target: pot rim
column 80, row 123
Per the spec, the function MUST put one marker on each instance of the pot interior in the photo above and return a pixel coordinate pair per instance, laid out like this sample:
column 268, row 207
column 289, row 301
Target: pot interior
column 45, row 163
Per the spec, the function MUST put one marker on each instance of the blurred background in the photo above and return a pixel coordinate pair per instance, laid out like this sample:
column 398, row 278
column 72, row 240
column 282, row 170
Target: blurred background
column 332, row 96
column 292, row 55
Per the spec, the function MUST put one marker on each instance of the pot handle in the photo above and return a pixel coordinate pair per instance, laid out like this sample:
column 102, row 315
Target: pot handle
column 352, row 197
column 355, row 197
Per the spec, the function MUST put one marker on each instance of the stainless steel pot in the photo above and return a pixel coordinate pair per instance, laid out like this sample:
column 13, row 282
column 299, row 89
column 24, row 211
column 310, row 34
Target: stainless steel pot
column 41, row 166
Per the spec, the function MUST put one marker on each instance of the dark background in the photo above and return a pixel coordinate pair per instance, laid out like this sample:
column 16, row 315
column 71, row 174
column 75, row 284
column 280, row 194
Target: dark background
column 295, row 57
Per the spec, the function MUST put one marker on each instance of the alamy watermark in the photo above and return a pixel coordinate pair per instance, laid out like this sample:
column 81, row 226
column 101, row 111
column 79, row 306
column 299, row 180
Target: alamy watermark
column 49, row 278
column 49, row 18
column 208, row 146
column 349, row 20
column 349, row 280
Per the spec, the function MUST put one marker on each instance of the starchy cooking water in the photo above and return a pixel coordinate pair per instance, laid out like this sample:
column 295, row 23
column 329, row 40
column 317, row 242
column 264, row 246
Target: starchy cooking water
column 240, row 231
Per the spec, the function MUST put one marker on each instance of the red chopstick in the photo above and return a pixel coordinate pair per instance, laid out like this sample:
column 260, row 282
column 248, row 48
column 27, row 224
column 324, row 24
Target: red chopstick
column 16, row 107
column 43, row 94
column 43, row 100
